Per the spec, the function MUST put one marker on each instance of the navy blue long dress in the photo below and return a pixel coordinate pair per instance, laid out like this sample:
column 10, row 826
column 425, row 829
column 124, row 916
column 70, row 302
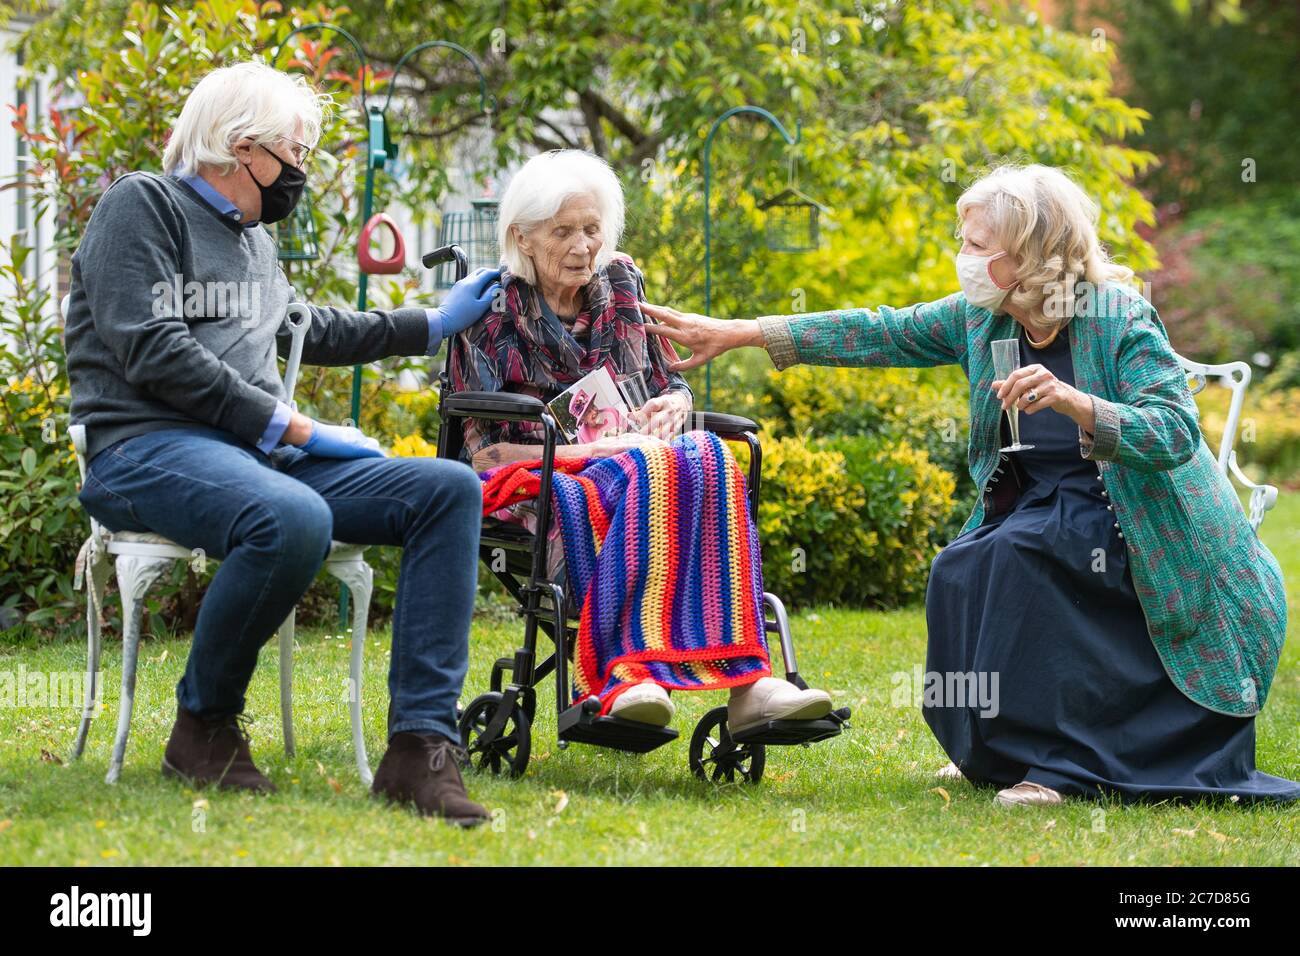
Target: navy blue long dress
column 1042, row 596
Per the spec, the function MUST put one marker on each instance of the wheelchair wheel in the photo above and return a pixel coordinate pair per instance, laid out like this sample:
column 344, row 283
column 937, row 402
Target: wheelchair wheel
column 717, row 758
column 507, row 753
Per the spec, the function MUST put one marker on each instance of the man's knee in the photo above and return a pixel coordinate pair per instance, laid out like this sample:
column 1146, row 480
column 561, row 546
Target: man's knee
column 300, row 520
column 466, row 488
column 453, row 487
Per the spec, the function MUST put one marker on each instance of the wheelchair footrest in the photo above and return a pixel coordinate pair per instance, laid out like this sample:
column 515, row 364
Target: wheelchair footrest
column 785, row 733
column 581, row 725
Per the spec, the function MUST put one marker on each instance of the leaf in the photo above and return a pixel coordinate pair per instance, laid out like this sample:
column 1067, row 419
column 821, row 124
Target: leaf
column 48, row 757
column 562, row 802
column 943, row 793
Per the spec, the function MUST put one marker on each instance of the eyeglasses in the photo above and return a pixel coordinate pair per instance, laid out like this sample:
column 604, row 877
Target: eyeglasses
column 299, row 150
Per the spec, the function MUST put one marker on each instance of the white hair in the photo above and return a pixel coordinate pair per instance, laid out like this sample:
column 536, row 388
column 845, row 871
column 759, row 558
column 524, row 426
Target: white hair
column 541, row 187
column 248, row 99
column 1042, row 217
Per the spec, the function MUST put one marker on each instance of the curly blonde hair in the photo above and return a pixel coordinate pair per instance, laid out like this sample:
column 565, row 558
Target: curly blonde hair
column 1041, row 217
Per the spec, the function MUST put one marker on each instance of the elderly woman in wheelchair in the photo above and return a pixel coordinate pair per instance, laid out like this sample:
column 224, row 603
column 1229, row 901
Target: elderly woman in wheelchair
column 570, row 304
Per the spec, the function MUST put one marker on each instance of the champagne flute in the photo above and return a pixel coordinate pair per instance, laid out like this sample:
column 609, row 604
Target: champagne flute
column 632, row 387
column 1006, row 359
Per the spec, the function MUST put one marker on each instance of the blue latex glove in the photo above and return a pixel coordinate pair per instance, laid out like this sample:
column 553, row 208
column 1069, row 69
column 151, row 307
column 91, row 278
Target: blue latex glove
column 468, row 299
column 340, row 441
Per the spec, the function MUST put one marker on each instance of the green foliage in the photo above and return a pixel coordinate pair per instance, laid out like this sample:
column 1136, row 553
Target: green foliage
column 1268, row 435
column 900, row 105
column 1220, row 87
column 40, row 528
column 1285, row 375
column 1230, row 287
column 850, row 520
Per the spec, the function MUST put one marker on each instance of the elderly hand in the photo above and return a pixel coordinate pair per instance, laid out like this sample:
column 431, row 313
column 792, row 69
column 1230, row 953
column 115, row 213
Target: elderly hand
column 664, row 415
column 1049, row 391
column 617, row 444
column 706, row 338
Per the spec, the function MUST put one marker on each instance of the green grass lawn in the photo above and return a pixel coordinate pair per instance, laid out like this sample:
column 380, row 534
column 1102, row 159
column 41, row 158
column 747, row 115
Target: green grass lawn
column 866, row 797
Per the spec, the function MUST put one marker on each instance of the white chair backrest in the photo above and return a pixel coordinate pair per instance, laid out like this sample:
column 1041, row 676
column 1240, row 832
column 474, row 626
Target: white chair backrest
column 1234, row 376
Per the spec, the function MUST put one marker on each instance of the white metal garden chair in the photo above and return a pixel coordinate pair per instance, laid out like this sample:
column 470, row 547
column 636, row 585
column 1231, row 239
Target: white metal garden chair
column 1234, row 376
column 141, row 558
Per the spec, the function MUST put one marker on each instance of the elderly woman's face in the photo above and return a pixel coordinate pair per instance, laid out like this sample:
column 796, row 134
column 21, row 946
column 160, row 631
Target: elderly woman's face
column 564, row 248
column 977, row 240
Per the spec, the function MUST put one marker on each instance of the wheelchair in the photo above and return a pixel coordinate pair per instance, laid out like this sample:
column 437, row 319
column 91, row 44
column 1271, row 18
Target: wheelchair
column 496, row 727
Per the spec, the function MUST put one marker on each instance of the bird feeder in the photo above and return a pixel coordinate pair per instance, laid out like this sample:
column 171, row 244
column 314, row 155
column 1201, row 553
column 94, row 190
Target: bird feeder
column 793, row 219
column 474, row 231
column 381, row 250
column 295, row 237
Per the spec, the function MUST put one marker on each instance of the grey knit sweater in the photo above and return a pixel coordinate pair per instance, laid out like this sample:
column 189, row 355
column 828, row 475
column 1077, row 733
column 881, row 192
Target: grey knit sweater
column 176, row 316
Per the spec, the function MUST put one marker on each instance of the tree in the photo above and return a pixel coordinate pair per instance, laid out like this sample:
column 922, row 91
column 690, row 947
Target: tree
column 1222, row 83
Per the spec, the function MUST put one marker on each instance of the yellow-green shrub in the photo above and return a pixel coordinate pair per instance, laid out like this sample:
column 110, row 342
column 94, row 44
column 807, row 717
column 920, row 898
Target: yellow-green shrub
column 1268, row 435
column 850, row 520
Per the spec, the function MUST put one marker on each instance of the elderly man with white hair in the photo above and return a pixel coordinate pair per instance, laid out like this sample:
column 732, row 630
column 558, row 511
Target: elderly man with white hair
column 189, row 435
column 1106, row 622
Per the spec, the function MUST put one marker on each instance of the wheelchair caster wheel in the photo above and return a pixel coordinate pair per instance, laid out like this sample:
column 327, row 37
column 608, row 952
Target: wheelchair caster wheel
column 718, row 758
column 509, row 751
column 527, row 695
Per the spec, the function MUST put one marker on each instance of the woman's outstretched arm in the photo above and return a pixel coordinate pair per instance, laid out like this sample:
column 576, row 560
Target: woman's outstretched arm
column 931, row 333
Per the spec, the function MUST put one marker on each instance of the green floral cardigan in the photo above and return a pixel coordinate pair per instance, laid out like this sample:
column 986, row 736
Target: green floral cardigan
column 1212, row 592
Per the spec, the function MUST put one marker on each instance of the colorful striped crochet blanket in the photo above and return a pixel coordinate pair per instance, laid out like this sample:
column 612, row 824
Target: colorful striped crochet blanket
column 662, row 553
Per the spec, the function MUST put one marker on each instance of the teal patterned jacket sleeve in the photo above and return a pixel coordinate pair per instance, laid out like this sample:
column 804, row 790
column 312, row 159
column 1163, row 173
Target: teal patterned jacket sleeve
column 930, row 333
column 1155, row 426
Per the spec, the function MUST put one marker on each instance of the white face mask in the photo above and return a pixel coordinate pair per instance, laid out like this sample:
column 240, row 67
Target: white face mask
column 975, row 275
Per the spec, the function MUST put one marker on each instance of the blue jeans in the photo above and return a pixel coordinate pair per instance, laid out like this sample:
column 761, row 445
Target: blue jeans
column 270, row 521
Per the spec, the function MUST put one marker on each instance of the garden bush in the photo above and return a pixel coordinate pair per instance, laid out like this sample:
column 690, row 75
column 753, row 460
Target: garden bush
column 1229, row 288
column 850, row 520
column 40, row 529
column 924, row 409
column 1268, row 435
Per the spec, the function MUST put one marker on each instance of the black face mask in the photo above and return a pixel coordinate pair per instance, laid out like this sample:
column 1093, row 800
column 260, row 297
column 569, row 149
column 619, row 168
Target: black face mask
column 282, row 195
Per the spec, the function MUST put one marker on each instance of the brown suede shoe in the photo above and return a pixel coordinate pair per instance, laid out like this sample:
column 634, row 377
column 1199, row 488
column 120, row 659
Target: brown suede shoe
column 212, row 750
column 423, row 769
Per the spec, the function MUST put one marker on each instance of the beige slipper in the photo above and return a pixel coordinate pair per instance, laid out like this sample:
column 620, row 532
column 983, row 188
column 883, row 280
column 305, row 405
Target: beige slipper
column 646, row 703
column 770, row 698
column 1034, row 794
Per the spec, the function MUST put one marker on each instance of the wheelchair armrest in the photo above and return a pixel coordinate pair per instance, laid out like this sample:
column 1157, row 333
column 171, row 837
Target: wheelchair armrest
column 500, row 406
column 725, row 425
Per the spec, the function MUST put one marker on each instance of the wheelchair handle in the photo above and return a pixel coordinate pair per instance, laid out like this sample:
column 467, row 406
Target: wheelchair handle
column 448, row 254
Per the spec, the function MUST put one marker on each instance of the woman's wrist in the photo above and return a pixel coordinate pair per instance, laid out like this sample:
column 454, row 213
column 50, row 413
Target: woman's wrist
column 744, row 332
column 298, row 430
column 1081, row 411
